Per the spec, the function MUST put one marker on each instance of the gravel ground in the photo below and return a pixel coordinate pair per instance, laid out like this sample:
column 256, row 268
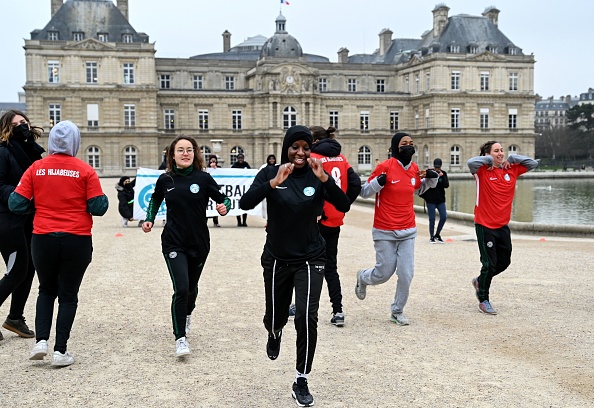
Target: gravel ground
column 537, row 352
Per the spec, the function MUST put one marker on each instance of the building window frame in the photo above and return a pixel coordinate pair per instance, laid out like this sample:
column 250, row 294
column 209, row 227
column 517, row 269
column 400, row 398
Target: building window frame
column 53, row 36
column 236, row 119
column 230, row 83
column 364, row 121
column 92, row 71
column 165, row 81
column 333, row 118
column 289, row 117
column 203, row 119
column 54, row 114
column 53, row 72
column 169, row 119
column 129, row 115
column 513, row 81
column 455, row 80
column 93, row 154
column 323, row 84
column 364, row 155
column 484, row 119
column 128, row 71
column 198, row 82
column 484, row 80
column 233, row 153
column 455, row 155
column 352, row 85
column 130, row 157
column 455, row 119
column 380, row 85
column 394, row 120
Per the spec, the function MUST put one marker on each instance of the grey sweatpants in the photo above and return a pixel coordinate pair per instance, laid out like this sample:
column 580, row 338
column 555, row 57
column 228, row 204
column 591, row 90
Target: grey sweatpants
column 394, row 252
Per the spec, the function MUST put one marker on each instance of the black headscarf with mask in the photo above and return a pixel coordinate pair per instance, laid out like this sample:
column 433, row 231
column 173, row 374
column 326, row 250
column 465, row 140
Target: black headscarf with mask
column 405, row 153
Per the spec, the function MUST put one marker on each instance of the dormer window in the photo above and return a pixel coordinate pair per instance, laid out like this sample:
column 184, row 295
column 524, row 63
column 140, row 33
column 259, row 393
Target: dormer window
column 493, row 49
column 103, row 37
column 454, row 48
column 127, row 38
column 78, row 36
column 473, row 49
column 53, row 36
column 513, row 51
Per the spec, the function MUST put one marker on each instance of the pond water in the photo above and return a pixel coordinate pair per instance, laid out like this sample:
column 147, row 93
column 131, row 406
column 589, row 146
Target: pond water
column 541, row 201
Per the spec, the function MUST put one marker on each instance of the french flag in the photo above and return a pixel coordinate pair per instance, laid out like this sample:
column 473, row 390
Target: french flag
column 285, row 2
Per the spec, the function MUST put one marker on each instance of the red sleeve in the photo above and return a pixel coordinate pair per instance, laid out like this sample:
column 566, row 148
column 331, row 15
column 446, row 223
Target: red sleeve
column 93, row 185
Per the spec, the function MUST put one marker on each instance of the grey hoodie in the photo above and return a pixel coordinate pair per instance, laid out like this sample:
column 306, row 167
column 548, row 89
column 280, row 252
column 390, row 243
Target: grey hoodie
column 64, row 138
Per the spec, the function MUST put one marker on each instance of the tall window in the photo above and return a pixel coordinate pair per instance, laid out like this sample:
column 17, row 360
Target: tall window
column 380, row 85
column 235, row 150
column 333, row 114
column 203, row 119
column 323, row 84
column 427, row 119
column 236, row 119
column 416, row 120
column 289, row 117
column 55, row 114
column 53, row 72
column 455, row 80
column 128, row 73
column 364, row 121
column 92, row 116
column 130, row 157
column 364, row 155
column 455, row 119
column 484, row 76
column 352, row 85
column 394, row 120
column 94, row 157
column 169, row 117
column 78, row 36
column 484, row 119
column 513, row 81
column 406, row 85
column 91, row 68
column 129, row 115
column 198, row 82
column 417, row 84
column 229, row 83
column 428, row 82
column 426, row 155
column 103, row 37
column 455, row 155
column 127, row 38
column 165, row 81
column 512, row 119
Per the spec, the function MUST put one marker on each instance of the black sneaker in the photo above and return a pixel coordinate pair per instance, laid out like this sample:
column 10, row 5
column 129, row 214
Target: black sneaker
column 337, row 319
column 301, row 393
column 273, row 345
column 19, row 327
column 438, row 240
column 292, row 310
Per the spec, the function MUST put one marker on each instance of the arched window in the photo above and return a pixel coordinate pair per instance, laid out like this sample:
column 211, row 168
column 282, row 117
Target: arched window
column 513, row 149
column 289, row 117
column 94, row 157
column 235, row 150
column 364, row 155
column 130, row 157
column 455, row 155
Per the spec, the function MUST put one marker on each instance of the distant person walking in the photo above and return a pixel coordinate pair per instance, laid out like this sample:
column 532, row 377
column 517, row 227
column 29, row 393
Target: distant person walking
column 496, row 185
column 436, row 200
column 125, row 189
column 185, row 241
column 213, row 163
column 241, row 164
column 327, row 149
column 394, row 183
column 18, row 150
column 65, row 193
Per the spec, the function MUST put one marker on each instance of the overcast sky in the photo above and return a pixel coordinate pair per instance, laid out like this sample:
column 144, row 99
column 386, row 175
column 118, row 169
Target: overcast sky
column 558, row 33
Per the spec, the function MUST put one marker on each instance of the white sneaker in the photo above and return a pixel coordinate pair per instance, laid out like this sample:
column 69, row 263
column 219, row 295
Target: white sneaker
column 124, row 222
column 39, row 350
column 400, row 319
column 62, row 360
column 188, row 324
column 182, row 348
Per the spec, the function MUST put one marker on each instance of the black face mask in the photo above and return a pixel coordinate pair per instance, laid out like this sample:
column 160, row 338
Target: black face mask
column 406, row 152
column 21, row 132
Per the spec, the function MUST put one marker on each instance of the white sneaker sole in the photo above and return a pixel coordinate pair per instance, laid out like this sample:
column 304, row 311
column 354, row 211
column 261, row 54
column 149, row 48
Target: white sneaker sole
column 39, row 355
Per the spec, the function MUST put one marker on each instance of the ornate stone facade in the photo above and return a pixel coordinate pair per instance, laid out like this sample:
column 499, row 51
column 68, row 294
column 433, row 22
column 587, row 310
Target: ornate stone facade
column 451, row 93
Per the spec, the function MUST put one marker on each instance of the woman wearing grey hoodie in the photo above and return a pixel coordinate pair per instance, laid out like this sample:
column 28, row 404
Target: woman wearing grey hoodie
column 67, row 194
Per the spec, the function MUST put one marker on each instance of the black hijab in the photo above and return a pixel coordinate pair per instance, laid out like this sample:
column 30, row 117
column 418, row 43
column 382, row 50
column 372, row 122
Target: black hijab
column 396, row 150
column 294, row 134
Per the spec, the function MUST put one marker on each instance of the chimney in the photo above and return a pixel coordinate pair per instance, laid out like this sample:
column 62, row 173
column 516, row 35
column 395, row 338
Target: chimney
column 56, row 4
column 440, row 18
column 226, row 41
column 568, row 100
column 123, row 7
column 343, row 55
column 385, row 41
column 492, row 13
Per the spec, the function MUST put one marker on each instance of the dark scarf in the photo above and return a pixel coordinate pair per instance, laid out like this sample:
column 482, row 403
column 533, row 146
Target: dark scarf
column 25, row 152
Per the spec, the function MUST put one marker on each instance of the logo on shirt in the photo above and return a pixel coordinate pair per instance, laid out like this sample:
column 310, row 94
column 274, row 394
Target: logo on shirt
column 194, row 188
column 506, row 177
column 309, row 191
column 490, row 244
column 492, row 178
column 413, row 181
column 172, row 254
column 395, row 181
column 169, row 189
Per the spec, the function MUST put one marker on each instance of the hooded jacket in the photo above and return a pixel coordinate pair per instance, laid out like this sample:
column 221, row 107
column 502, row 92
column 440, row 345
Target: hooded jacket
column 293, row 235
column 126, row 198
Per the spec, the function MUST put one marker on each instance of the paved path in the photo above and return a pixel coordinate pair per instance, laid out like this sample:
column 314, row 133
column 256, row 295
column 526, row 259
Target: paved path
column 537, row 352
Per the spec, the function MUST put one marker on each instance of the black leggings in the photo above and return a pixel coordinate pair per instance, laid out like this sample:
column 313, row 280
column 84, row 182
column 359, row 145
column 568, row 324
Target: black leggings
column 61, row 262
column 15, row 246
column 495, row 247
column 331, row 235
column 185, row 273
column 279, row 280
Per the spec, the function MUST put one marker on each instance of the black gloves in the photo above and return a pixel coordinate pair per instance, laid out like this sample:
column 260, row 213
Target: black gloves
column 431, row 174
column 381, row 179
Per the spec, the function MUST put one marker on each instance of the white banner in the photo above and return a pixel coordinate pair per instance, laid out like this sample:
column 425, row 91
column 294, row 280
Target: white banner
column 232, row 182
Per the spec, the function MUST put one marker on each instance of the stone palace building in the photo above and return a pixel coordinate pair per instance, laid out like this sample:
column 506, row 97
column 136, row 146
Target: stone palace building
column 462, row 83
